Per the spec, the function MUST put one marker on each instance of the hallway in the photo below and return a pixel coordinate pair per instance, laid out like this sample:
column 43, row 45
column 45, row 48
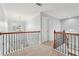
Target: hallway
column 39, row 50
column 28, row 29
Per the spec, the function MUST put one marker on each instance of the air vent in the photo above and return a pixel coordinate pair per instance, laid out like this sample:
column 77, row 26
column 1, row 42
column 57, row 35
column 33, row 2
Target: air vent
column 39, row 4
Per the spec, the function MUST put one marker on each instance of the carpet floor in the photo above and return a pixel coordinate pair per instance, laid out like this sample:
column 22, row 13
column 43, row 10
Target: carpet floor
column 44, row 49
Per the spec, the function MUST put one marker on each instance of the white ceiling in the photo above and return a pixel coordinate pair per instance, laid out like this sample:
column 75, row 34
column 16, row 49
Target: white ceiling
column 65, row 11
column 28, row 10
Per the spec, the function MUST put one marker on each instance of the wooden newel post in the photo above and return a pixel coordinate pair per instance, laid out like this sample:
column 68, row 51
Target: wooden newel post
column 0, row 33
column 54, row 40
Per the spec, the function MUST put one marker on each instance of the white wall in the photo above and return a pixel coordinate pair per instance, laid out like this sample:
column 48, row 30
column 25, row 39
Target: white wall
column 13, row 25
column 3, row 26
column 54, row 24
column 33, row 24
column 3, row 23
column 44, row 28
column 2, row 15
column 70, row 25
column 49, row 24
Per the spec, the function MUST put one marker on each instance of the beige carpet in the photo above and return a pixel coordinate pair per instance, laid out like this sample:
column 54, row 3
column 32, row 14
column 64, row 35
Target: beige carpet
column 39, row 50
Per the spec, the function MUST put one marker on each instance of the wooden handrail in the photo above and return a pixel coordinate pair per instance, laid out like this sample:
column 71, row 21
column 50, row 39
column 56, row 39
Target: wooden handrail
column 11, row 42
column 58, row 32
column 67, row 33
column 1, row 33
column 66, row 37
column 73, row 33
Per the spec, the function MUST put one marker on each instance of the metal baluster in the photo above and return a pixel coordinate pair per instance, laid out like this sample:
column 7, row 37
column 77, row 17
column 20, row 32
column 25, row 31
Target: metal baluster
column 9, row 43
column 78, row 45
column 65, row 42
column 19, row 43
column 27, row 38
column 36, row 35
column 22, row 42
column 60, row 44
column 38, row 38
column 6, row 43
column 3, row 44
column 24, row 39
column 74, row 43
column 68, row 45
column 54, row 40
column 17, row 40
column 57, row 43
column 18, row 35
column 71, row 44
column 14, row 43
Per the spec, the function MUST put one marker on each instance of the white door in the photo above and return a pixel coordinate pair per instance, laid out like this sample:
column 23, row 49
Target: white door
column 44, row 28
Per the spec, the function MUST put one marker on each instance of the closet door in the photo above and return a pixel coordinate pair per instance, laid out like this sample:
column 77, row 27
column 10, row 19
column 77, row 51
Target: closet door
column 44, row 28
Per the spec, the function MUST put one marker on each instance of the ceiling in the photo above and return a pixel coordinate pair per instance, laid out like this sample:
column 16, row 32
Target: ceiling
column 65, row 11
column 29, row 10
